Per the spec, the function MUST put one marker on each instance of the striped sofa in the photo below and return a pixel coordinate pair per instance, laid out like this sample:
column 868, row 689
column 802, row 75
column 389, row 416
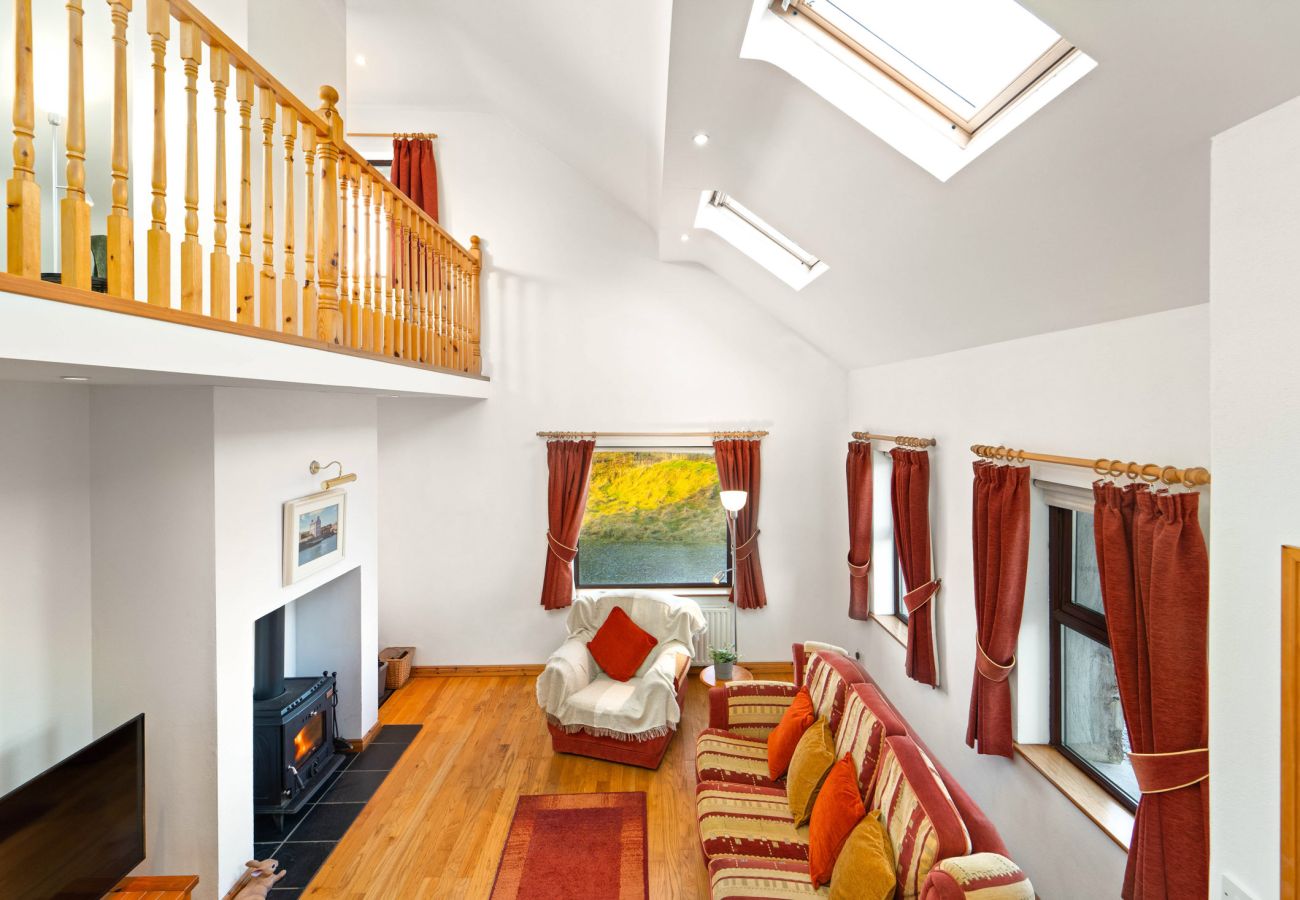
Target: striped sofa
column 945, row 848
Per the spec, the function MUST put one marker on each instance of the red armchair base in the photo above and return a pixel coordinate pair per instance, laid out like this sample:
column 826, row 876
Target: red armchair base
column 646, row 754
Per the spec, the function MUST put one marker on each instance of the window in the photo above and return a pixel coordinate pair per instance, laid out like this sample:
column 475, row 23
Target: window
column 887, row 575
column 1087, row 723
column 753, row 236
column 966, row 59
column 653, row 519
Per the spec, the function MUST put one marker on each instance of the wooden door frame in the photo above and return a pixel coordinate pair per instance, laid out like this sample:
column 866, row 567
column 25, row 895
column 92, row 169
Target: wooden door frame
column 1290, row 716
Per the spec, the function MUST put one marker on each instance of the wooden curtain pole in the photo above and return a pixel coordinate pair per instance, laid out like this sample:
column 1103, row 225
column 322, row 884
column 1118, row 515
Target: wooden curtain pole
column 902, row 440
column 1113, row 468
column 599, row 434
column 423, row 135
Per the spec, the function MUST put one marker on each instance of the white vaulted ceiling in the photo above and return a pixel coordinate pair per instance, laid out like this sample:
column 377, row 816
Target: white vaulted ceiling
column 1096, row 208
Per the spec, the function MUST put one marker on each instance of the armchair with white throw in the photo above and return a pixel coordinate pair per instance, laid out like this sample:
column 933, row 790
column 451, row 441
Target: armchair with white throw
column 593, row 714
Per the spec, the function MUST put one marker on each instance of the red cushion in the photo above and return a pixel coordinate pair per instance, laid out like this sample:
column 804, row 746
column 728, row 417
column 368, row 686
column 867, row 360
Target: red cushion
column 797, row 718
column 837, row 810
column 620, row 645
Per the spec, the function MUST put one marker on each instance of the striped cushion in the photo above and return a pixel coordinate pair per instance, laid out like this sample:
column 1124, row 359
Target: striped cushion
column 739, row 878
column 980, row 876
column 867, row 720
column 746, row 820
column 724, row 756
column 923, row 823
column 827, row 686
column 755, row 707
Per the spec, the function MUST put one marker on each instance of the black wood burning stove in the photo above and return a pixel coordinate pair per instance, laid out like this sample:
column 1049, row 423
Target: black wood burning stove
column 293, row 726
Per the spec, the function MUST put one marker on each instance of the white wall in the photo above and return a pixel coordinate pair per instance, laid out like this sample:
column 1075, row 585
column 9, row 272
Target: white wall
column 1254, row 250
column 45, row 649
column 1137, row 388
column 263, row 441
column 154, row 612
column 585, row 329
column 320, row 25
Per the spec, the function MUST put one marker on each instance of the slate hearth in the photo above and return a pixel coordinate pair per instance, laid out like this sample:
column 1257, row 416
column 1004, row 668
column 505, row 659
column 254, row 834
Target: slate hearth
column 305, row 839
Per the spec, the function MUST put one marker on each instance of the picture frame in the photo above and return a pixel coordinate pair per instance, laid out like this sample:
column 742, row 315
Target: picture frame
column 315, row 533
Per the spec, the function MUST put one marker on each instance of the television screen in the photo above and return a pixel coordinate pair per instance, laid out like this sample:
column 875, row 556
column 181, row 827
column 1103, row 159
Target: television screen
column 76, row 830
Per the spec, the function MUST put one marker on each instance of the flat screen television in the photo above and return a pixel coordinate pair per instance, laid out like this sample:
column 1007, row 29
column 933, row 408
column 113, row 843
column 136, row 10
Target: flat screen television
column 76, row 830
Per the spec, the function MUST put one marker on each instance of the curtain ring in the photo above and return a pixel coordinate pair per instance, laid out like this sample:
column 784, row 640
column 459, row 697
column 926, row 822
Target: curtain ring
column 1100, row 467
column 1152, row 478
column 1115, row 469
column 1169, row 475
column 1000, row 451
column 1131, row 471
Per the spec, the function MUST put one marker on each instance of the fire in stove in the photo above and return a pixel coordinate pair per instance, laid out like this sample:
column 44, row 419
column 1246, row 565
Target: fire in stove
column 308, row 738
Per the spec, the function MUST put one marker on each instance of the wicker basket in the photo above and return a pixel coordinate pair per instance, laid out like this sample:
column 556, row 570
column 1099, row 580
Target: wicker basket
column 399, row 665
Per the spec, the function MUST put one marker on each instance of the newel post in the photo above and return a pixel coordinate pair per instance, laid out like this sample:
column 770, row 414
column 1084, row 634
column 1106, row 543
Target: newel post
column 476, row 312
column 329, row 325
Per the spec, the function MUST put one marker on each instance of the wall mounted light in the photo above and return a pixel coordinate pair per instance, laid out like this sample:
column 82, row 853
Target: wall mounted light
column 331, row 483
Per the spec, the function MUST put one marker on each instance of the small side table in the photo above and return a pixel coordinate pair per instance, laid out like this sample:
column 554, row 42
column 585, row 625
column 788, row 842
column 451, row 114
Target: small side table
column 738, row 673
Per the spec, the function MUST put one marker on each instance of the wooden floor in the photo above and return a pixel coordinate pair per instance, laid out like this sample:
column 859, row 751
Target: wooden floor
column 436, row 826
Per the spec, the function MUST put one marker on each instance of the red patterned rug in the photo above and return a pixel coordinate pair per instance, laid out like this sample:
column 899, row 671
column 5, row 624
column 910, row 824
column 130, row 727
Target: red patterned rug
column 575, row 847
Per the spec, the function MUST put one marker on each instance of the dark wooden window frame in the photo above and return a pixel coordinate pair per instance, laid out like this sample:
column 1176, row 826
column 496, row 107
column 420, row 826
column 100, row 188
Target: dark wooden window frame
column 727, row 579
column 1066, row 613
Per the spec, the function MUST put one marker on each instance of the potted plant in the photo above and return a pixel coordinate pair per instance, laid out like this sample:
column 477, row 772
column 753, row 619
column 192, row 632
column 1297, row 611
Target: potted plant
column 723, row 659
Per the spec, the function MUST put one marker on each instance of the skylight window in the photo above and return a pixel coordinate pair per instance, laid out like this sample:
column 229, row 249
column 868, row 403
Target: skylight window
column 756, row 238
column 966, row 58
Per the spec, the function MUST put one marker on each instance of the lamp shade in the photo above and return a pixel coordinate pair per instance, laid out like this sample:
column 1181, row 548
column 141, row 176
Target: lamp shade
column 733, row 501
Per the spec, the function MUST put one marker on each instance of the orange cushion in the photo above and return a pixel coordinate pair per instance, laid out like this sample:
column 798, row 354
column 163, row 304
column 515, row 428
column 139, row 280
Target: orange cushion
column 620, row 645
column 782, row 740
column 835, row 814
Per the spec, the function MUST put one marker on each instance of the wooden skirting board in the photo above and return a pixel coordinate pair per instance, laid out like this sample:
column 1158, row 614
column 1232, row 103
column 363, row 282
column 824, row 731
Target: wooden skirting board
column 759, row 669
column 359, row 744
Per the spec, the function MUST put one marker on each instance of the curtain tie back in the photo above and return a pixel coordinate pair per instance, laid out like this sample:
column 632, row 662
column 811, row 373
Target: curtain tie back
column 741, row 557
column 914, row 600
column 991, row 670
column 856, row 571
column 1159, row 773
column 552, row 542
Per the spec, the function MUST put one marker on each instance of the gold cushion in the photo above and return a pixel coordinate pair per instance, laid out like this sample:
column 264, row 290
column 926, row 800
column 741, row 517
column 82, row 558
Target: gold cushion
column 812, row 759
column 865, row 867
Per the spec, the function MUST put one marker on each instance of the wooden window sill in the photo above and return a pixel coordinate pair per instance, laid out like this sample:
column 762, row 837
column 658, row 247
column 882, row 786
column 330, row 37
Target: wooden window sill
column 894, row 627
column 1103, row 809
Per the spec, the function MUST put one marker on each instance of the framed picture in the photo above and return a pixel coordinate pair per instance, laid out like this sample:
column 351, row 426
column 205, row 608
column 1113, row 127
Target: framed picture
column 315, row 528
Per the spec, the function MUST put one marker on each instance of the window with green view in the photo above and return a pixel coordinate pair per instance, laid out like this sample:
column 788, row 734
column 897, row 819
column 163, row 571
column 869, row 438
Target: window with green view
column 653, row 519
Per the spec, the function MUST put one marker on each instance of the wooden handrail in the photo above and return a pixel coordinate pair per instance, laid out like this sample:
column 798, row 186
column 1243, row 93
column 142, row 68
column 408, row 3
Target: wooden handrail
column 414, row 291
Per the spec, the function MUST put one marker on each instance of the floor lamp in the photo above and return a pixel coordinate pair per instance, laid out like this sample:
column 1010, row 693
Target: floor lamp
column 733, row 502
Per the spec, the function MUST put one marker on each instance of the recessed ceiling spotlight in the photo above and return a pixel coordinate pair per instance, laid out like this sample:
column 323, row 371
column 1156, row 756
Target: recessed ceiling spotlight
column 75, row 377
column 700, row 139
column 360, row 59
column 685, row 238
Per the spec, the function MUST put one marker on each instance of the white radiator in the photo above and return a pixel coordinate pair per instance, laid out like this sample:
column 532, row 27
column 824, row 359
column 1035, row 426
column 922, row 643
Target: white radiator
column 717, row 633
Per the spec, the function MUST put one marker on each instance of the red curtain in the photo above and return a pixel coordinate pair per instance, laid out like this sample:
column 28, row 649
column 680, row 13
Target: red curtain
column 569, row 463
column 910, row 490
column 415, row 174
column 858, row 470
column 1000, row 527
column 1155, row 587
column 740, row 469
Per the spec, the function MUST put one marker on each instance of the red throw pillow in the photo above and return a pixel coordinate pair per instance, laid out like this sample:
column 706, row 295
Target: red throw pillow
column 797, row 718
column 620, row 645
column 835, row 813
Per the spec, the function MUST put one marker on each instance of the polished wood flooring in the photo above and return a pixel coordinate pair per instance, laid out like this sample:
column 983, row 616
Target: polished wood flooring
column 436, row 826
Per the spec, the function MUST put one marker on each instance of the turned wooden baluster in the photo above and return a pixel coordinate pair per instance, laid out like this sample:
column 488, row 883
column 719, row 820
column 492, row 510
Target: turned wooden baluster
column 448, row 283
column 377, row 303
column 23, row 193
column 475, row 307
column 268, row 316
column 244, row 272
column 358, row 299
column 426, row 295
column 309, row 251
column 191, row 249
column 390, row 289
column 289, row 290
column 329, row 328
column 121, row 238
column 461, row 280
column 219, row 260
column 345, row 294
column 407, row 286
column 159, row 243
column 441, row 272
column 74, row 211
column 421, row 287
column 431, row 310
column 368, row 315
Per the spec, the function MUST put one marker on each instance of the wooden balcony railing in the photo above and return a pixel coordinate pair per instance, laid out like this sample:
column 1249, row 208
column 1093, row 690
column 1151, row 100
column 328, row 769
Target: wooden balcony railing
column 378, row 276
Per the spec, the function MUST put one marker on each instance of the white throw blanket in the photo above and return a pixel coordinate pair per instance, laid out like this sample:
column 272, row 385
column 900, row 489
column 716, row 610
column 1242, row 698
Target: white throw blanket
column 578, row 696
